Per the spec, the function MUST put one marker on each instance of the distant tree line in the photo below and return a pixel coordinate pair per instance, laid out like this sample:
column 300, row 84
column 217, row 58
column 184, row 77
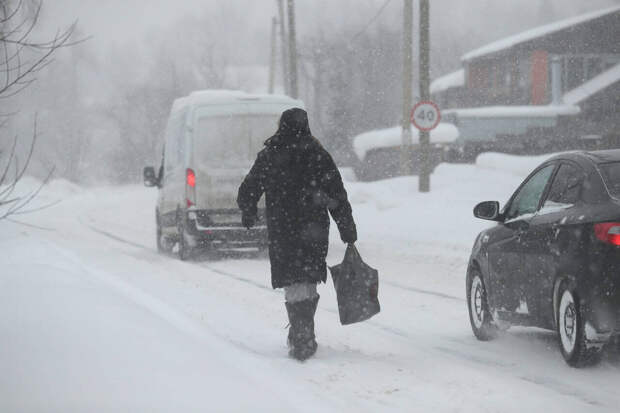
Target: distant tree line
column 102, row 116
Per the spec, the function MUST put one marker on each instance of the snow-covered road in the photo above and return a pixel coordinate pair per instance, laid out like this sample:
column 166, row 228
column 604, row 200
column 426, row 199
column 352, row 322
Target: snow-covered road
column 93, row 319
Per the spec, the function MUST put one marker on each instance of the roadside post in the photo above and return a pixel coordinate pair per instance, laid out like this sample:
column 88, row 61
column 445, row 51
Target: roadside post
column 272, row 57
column 292, row 49
column 406, row 147
column 284, row 47
column 424, row 182
column 425, row 116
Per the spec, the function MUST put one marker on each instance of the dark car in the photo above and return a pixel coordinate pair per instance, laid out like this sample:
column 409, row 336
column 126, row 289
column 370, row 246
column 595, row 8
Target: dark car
column 553, row 259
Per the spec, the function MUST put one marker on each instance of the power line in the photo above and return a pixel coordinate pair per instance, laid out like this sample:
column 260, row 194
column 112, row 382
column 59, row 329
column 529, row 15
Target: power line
column 374, row 18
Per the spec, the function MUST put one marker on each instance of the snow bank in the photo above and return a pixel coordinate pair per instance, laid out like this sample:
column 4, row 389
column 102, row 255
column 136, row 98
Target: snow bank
column 543, row 111
column 392, row 215
column 509, row 164
column 53, row 192
column 391, row 137
column 454, row 79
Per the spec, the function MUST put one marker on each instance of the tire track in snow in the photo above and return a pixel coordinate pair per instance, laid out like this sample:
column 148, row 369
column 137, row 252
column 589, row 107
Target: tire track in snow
column 256, row 284
column 391, row 330
column 144, row 247
column 388, row 329
column 547, row 383
column 422, row 291
column 114, row 237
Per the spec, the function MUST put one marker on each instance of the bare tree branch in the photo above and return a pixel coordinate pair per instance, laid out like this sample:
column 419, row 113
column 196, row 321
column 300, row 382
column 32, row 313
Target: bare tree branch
column 16, row 29
column 21, row 58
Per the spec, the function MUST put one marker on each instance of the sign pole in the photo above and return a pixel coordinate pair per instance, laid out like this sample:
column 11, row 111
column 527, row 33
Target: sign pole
column 272, row 57
column 406, row 144
column 284, row 46
column 292, row 49
column 424, row 183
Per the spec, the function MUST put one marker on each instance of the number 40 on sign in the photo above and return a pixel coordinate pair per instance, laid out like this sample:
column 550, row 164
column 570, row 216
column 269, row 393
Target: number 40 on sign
column 425, row 116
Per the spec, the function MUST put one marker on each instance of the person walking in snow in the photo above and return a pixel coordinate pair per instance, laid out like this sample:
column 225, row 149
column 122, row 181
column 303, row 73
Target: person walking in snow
column 301, row 184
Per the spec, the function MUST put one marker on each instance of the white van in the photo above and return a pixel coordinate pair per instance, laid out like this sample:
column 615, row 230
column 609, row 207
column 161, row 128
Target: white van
column 211, row 141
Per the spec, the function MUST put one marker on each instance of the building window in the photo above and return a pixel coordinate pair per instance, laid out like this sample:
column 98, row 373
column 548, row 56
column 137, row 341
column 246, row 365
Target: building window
column 524, row 74
column 578, row 69
column 609, row 61
column 575, row 73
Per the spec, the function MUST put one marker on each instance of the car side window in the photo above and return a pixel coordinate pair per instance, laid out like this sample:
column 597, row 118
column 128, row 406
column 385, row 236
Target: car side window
column 528, row 198
column 566, row 188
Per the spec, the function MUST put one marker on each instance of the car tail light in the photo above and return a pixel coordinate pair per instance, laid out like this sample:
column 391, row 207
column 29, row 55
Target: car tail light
column 608, row 232
column 190, row 179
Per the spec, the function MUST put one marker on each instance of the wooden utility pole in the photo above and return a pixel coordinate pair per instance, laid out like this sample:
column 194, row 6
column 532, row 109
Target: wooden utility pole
column 317, row 58
column 292, row 50
column 425, row 145
column 272, row 58
column 406, row 152
column 284, row 46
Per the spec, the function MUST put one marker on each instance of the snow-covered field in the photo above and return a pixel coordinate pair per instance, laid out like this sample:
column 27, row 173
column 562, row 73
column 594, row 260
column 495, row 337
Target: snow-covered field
column 93, row 319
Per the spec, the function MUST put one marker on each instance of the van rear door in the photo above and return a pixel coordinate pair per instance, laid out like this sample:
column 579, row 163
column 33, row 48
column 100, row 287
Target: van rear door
column 226, row 140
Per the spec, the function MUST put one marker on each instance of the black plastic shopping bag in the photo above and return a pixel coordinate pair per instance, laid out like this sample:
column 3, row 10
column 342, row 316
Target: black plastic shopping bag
column 357, row 288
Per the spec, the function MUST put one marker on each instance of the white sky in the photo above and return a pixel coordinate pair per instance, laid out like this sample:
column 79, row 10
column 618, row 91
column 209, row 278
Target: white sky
column 116, row 21
column 130, row 21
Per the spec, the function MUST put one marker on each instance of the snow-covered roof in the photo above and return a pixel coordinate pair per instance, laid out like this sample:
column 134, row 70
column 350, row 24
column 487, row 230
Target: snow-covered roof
column 387, row 138
column 454, row 79
column 545, row 111
column 537, row 32
column 593, row 86
column 222, row 96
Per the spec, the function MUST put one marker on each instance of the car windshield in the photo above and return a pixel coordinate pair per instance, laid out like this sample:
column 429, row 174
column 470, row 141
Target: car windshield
column 232, row 139
column 611, row 175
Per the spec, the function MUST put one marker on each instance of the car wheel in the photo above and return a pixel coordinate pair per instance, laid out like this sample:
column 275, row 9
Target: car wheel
column 571, row 330
column 479, row 314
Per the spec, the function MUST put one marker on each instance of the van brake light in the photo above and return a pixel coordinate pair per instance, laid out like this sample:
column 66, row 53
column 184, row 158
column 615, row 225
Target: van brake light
column 608, row 232
column 191, row 177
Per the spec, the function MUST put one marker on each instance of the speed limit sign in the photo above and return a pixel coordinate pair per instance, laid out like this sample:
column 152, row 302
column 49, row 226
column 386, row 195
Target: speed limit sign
column 425, row 116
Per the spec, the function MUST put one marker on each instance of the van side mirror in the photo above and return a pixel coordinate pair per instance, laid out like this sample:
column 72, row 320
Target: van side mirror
column 149, row 177
column 488, row 210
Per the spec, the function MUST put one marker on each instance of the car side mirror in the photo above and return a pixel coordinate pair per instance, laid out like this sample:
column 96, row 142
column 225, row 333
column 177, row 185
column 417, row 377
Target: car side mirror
column 488, row 210
column 149, row 177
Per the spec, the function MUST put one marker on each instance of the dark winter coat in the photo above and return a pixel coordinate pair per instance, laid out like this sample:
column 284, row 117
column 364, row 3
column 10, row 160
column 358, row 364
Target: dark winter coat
column 301, row 184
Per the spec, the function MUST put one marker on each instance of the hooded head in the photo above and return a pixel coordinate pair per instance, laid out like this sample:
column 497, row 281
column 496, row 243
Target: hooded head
column 294, row 124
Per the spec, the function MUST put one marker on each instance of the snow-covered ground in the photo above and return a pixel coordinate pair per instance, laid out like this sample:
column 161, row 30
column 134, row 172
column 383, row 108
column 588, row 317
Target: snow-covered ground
column 93, row 319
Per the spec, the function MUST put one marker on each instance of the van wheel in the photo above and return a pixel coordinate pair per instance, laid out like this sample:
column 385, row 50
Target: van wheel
column 479, row 314
column 263, row 250
column 571, row 330
column 164, row 246
column 185, row 250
